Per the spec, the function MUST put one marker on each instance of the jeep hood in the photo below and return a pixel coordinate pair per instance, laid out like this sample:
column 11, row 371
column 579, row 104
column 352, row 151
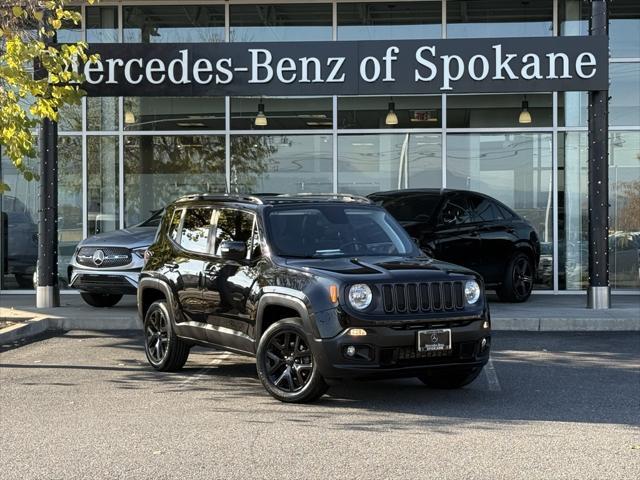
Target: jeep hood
column 383, row 268
column 134, row 237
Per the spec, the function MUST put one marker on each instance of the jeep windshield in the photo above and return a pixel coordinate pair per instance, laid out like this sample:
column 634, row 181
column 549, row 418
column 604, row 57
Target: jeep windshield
column 315, row 231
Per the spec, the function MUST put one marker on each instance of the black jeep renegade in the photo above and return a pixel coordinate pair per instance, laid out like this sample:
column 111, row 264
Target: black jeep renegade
column 316, row 287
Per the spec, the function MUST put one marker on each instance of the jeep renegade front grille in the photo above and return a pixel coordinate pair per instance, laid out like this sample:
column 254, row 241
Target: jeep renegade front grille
column 109, row 257
column 422, row 297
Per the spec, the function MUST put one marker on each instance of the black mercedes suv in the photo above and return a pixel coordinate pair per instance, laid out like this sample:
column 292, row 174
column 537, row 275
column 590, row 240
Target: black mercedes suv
column 317, row 287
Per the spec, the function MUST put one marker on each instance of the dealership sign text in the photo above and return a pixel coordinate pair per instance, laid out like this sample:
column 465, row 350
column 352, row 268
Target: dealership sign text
column 349, row 68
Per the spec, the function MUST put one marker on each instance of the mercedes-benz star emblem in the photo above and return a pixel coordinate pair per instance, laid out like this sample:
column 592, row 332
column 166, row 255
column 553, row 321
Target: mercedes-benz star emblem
column 98, row 257
column 434, row 338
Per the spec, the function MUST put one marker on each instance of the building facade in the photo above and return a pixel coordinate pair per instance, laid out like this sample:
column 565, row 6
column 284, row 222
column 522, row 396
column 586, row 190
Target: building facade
column 120, row 158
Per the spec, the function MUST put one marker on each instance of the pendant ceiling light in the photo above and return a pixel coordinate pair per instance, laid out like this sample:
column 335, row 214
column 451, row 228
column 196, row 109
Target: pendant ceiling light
column 261, row 118
column 391, row 118
column 129, row 117
column 525, row 116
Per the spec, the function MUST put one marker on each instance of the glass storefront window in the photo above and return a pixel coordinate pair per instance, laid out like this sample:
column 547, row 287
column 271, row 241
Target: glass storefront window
column 624, row 28
column 624, row 106
column 372, row 112
column 102, row 24
column 295, row 113
column 573, row 109
column 373, row 163
column 173, row 23
column 624, row 210
column 516, row 169
column 160, row 168
column 281, row 163
column 280, row 22
column 389, row 21
column 102, row 189
column 102, row 113
column 487, row 111
column 499, row 18
column 69, row 201
column 173, row 113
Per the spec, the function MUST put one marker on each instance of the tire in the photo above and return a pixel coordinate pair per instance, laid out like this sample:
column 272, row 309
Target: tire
column 286, row 366
column 165, row 351
column 24, row 280
column 517, row 283
column 450, row 378
column 101, row 301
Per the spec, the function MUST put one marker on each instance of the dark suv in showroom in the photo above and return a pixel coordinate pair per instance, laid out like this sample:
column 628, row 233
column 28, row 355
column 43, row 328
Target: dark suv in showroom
column 317, row 287
column 473, row 230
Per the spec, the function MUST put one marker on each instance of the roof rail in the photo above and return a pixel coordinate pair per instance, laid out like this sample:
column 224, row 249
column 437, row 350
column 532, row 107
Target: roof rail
column 222, row 197
column 346, row 197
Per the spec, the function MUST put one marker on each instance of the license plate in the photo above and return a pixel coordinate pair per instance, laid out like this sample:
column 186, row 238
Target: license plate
column 434, row 340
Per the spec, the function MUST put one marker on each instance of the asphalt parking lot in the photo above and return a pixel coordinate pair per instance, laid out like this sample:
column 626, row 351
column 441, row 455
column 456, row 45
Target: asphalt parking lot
column 552, row 405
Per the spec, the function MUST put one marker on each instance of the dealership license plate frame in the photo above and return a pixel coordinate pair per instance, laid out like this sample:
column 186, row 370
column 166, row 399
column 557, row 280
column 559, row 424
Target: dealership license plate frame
column 425, row 343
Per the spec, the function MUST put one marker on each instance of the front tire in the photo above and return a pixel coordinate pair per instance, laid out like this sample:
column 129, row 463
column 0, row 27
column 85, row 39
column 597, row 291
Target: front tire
column 450, row 378
column 517, row 284
column 286, row 365
column 165, row 351
column 99, row 300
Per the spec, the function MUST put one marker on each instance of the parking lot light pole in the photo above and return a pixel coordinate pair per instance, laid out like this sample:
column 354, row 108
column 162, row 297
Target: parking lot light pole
column 47, row 290
column 599, row 292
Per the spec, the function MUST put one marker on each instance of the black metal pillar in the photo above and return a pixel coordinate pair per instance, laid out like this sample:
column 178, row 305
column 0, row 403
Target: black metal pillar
column 48, row 290
column 598, row 294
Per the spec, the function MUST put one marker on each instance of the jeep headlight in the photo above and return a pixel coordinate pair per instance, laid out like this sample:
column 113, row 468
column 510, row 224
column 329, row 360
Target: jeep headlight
column 360, row 296
column 471, row 291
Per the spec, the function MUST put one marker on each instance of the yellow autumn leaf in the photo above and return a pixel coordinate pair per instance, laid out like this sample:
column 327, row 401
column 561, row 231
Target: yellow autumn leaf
column 17, row 10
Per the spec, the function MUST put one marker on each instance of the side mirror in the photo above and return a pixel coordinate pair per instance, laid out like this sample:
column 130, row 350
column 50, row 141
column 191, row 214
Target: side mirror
column 230, row 250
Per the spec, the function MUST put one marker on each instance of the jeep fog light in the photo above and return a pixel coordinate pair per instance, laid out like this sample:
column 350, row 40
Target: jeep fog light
column 471, row 291
column 351, row 350
column 357, row 332
column 360, row 296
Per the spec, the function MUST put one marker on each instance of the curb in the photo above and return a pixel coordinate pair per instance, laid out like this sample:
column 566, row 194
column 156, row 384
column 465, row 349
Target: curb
column 566, row 324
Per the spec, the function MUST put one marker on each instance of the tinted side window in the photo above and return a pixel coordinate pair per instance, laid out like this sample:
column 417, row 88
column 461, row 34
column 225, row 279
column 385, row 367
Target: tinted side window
column 175, row 225
column 411, row 208
column 195, row 229
column 484, row 209
column 455, row 212
column 236, row 226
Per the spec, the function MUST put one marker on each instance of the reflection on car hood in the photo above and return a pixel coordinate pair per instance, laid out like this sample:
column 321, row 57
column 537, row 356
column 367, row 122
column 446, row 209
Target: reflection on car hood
column 390, row 267
column 133, row 237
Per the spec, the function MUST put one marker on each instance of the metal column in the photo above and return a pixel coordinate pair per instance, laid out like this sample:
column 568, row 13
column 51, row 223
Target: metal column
column 599, row 293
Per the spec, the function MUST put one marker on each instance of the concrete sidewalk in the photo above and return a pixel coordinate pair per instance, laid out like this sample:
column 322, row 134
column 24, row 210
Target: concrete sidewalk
column 540, row 313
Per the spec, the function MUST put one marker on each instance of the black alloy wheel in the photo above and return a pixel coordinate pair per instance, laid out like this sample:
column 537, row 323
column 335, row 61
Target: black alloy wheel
column 165, row 351
column 156, row 336
column 289, row 361
column 286, row 365
column 518, row 280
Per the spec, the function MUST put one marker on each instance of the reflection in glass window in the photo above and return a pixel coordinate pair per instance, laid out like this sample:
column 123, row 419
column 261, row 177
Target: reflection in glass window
column 373, row 163
column 624, row 28
column 102, row 189
column 175, row 224
column 464, row 111
column 281, row 163
column 195, row 229
column 102, row 113
column 624, row 106
column 499, row 18
column 173, row 113
column 572, row 109
column 173, row 23
column 296, row 113
column 372, row 112
column 69, row 199
column 514, row 168
column 102, row 24
column 234, row 226
column 280, row 23
column 389, row 21
column 160, row 168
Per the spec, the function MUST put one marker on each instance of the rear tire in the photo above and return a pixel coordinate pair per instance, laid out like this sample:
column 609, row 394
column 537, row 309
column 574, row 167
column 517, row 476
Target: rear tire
column 286, row 365
column 517, row 283
column 450, row 378
column 99, row 300
column 165, row 351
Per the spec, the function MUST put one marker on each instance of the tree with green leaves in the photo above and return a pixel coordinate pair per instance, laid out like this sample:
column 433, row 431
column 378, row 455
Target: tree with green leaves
column 27, row 44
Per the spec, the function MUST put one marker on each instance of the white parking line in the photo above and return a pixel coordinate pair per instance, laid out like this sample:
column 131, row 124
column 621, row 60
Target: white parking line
column 200, row 373
column 492, row 377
